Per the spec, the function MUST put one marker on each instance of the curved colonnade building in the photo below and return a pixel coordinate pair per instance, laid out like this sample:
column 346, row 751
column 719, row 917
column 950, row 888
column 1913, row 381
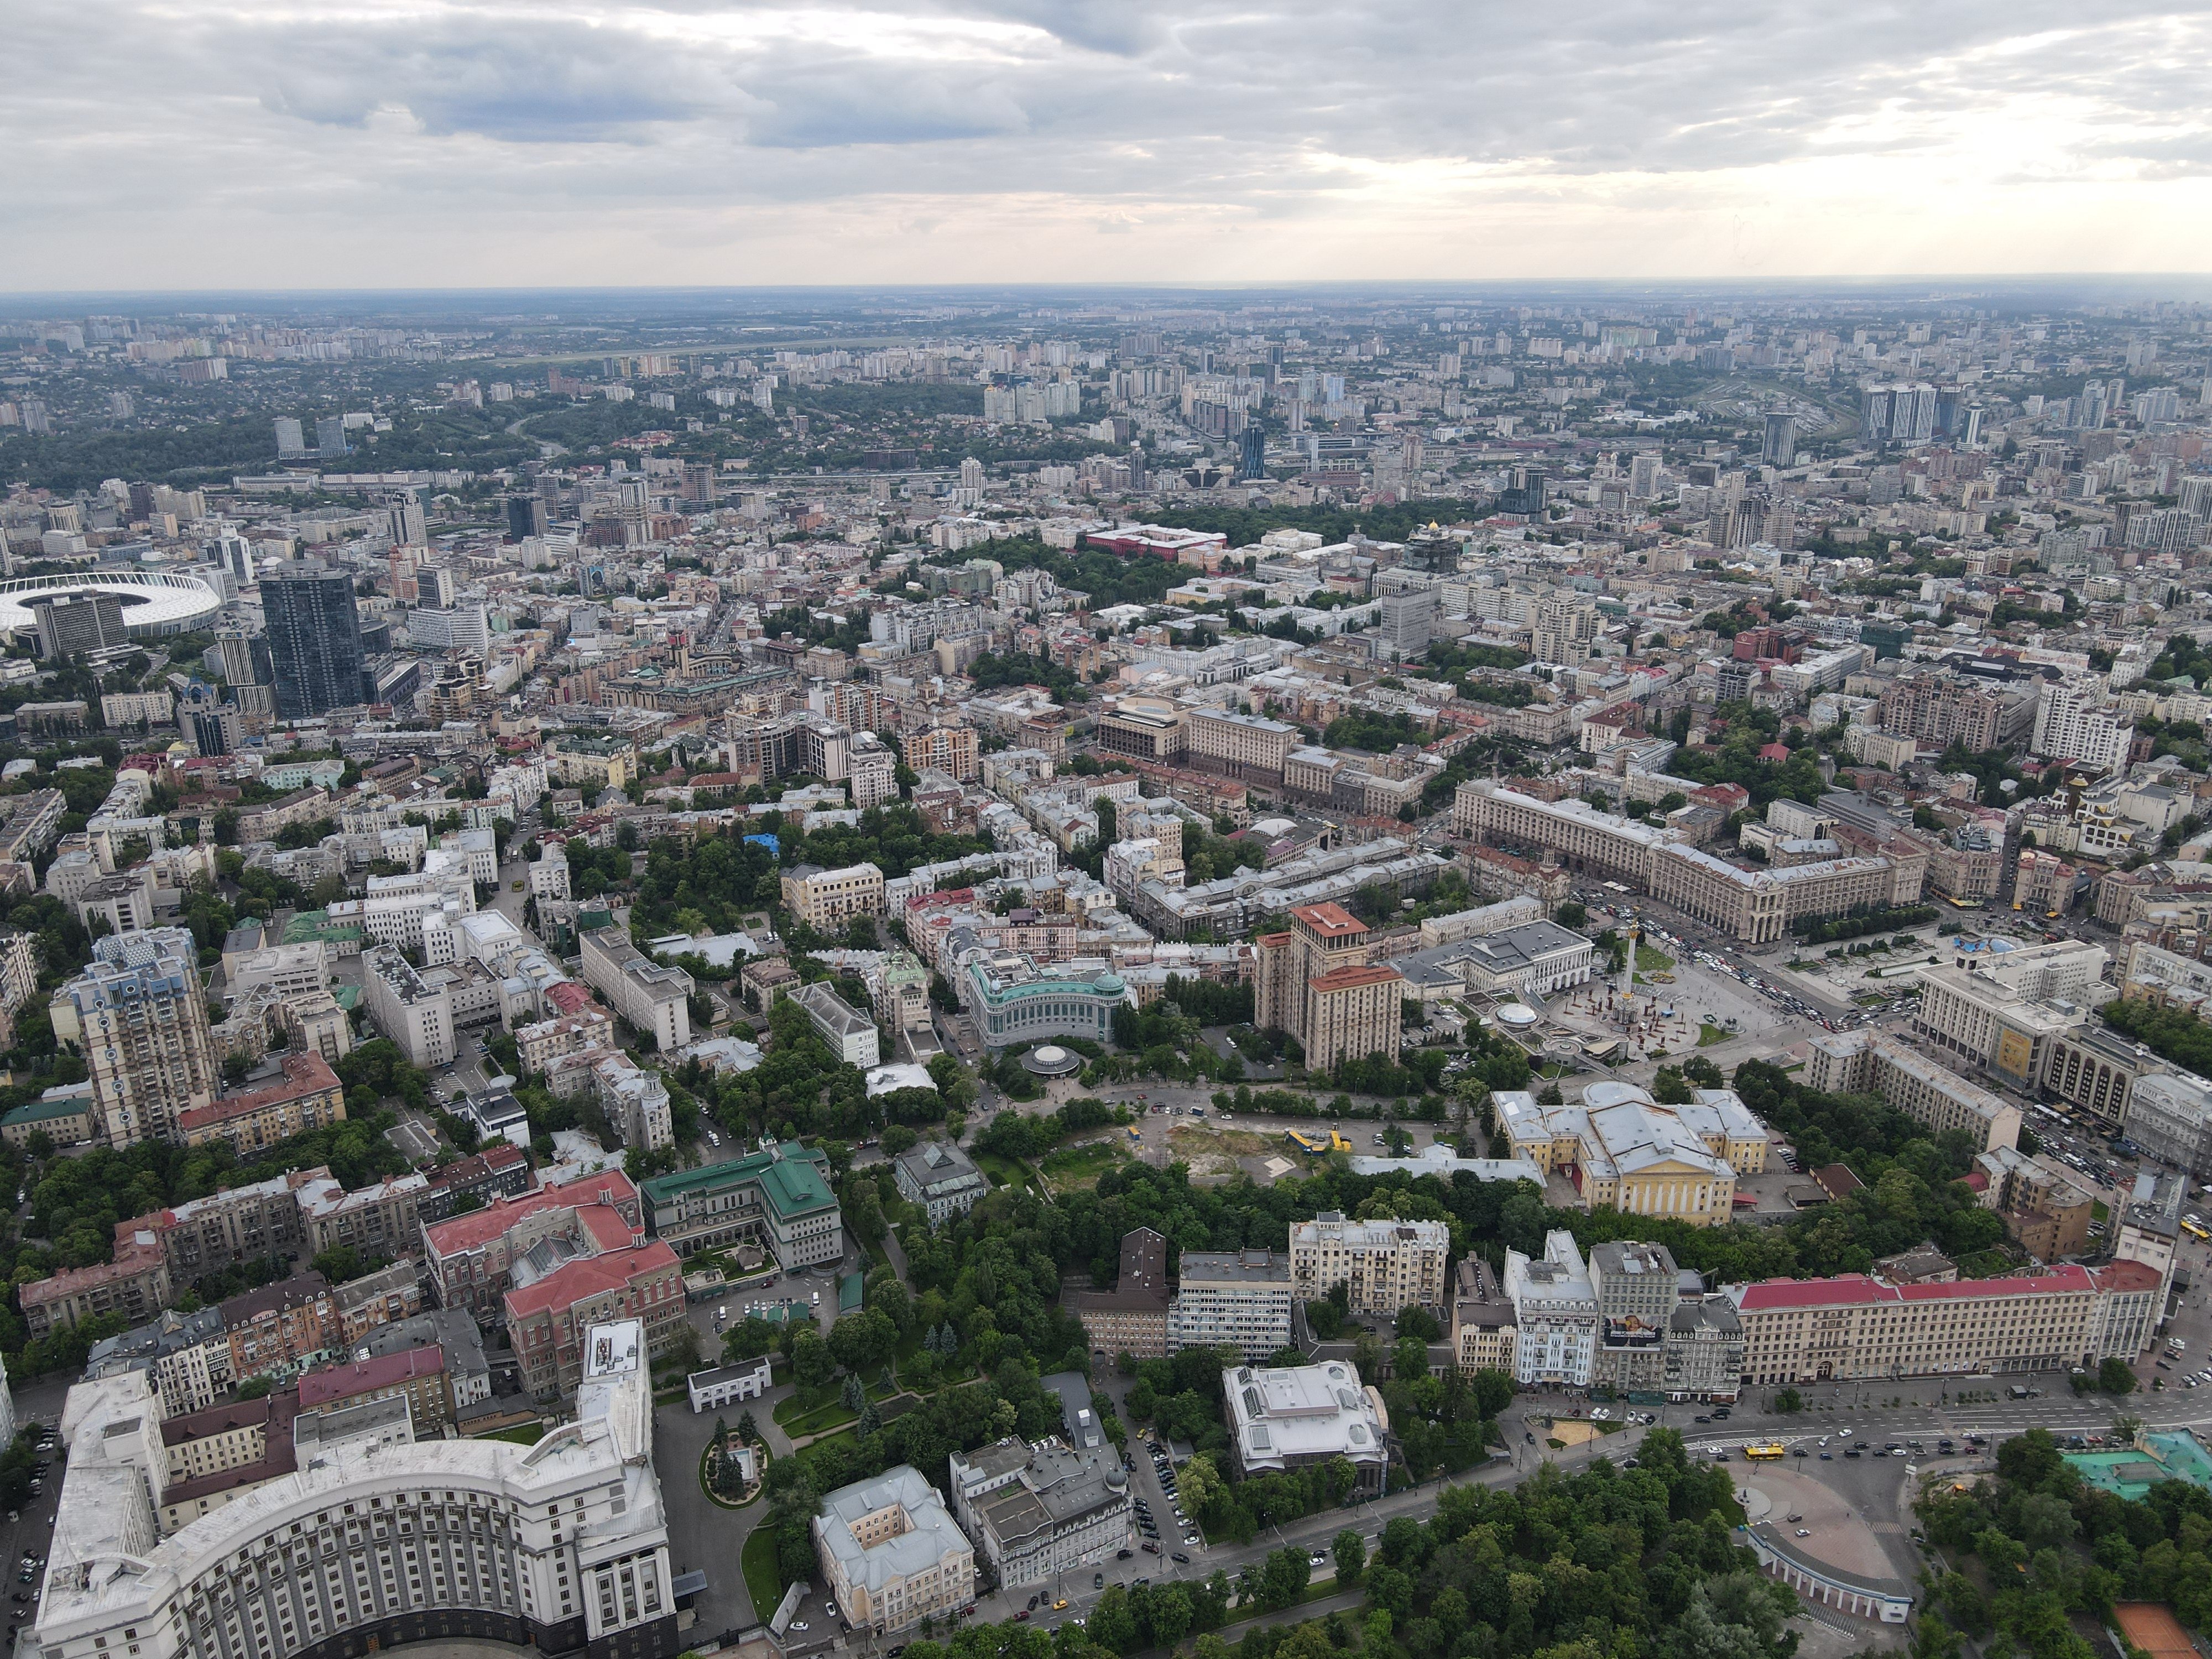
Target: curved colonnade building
column 372, row 1542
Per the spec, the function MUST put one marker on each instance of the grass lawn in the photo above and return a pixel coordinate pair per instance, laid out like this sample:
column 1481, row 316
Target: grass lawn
column 1005, row 1171
column 813, row 1420
column 2100, row 1211
column 763, row 1578
column 522, row 1434
column 1076, row 1169
column 1652, row 961
column 1709, row 1034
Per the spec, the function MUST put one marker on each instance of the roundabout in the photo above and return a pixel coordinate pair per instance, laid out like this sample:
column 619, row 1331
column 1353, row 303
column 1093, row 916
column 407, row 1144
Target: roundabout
column 154, row 602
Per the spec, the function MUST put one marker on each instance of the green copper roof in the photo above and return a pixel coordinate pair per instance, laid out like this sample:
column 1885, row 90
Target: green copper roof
column 791, row 1185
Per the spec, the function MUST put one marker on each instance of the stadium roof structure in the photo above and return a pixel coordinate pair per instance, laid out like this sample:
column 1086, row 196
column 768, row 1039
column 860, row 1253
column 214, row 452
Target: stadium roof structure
column 154, row 602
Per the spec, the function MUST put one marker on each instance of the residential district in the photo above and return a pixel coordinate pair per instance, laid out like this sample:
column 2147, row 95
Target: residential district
column 1093, row 919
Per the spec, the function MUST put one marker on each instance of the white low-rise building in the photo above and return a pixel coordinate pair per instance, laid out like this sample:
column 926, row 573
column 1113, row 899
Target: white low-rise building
column 726, row 1385
column 1304, row 1414
column 851, row 1035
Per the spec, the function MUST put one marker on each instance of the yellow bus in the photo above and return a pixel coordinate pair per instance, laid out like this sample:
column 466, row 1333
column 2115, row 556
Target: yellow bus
column 1312, row 1144
column 1769, row 1453
column 2195, row 1229
column 1135, row 1134
column 1337, row 1143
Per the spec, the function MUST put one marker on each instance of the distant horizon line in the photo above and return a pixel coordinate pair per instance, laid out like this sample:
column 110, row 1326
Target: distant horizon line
column 1837, row 282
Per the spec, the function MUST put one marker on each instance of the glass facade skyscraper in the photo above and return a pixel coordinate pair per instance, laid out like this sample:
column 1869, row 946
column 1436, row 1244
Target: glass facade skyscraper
column 314, row 639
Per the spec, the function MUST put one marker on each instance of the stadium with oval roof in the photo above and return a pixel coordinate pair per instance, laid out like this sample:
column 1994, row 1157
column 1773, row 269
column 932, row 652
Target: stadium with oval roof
column 154, row 602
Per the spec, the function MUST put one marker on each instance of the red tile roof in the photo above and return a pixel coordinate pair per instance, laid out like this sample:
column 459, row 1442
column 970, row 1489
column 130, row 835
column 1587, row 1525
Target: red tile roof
column 1847, row 1290
column 1351, row 978
column 1329, row 920
column 568, row 996
column 304, row 1075
column 480, row 1227
column 592, row 1276
column 319, row 1388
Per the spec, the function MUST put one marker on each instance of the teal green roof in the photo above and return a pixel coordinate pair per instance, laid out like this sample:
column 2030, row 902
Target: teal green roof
column 2174, row 1455
column 849, row 1294
column 309, row 925
column 791, row 1184
column 793, row 1188
column 46, row 1111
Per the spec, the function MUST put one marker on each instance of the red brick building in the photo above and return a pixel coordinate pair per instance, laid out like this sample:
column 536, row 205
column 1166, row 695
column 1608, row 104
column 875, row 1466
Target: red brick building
column 546, row 1319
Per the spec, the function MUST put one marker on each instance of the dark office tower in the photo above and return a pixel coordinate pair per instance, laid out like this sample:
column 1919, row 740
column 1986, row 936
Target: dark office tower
column 314, row 639
column 1778, row 444
column 75, row 622
column 526, row 517
column 1252, row 455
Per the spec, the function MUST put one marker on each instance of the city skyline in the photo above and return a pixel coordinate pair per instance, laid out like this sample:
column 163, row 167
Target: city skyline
column 460, row 144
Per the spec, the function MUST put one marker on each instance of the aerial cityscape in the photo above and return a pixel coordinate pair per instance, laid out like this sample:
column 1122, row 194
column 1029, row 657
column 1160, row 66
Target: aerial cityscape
column 1008, row 833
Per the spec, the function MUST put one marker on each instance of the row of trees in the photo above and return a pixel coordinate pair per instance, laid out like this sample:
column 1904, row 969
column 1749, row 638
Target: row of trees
column 2036, row 1547
column 1611, row 1564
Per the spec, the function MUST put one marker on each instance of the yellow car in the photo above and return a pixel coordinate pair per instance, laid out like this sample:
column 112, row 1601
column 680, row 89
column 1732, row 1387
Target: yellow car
column 1060, row 1606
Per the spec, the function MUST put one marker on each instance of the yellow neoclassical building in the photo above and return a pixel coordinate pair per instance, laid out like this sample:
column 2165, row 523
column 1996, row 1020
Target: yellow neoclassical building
column 1619, row 1146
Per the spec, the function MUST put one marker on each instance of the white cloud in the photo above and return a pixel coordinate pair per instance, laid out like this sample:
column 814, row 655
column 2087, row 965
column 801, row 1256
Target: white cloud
column 361, row 143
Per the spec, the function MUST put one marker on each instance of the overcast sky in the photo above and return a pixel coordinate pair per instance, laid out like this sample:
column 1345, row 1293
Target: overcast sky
column 256, row 143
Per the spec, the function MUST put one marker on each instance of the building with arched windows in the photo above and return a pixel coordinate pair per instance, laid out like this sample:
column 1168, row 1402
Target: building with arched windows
column 562, row 1546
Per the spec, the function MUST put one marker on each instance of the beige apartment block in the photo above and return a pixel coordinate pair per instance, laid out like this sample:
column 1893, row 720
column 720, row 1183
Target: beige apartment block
column 1243, row 745
column 1818, row 1330
column 951, row 749
column 1383, row 1265
column 826, row 900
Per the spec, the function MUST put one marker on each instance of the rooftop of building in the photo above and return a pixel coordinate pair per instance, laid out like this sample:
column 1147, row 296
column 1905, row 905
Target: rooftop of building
column 1852, row 1289
column 321, row 1387
column 591, row 1275
column 1246, row 1267
column 927, row 1537
column 791, row 1178
column 1302, row 1412
column 609, row 1188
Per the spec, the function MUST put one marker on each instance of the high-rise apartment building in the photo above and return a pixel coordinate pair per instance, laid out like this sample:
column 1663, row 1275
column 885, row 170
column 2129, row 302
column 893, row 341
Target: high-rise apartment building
column 75, row 622
column 1315, row 983
column 138, row 1013
column 1941, row 712
column 403, row 516
column 526, row 517
column 330, row 437
column 2072, row 723
column 1898, row 414
column 1778, row 446
column 950, row 749
column 1563, row 627
column 291, row 440
column 314, row 639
